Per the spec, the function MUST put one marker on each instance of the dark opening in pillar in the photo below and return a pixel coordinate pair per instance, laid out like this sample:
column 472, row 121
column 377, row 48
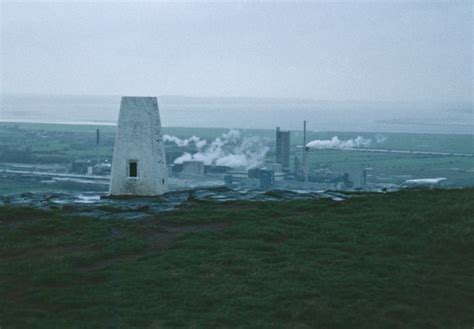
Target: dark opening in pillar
column 132, row 169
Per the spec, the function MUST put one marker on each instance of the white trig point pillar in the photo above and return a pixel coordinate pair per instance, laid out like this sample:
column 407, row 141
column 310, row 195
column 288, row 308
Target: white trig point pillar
column 139, row 163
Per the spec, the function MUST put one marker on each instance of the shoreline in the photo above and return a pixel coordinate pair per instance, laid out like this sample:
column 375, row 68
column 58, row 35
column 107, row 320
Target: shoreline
column 77, row 123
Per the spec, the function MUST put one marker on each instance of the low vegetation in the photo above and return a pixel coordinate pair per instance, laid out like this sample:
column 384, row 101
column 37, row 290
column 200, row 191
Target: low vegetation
column 394, row 260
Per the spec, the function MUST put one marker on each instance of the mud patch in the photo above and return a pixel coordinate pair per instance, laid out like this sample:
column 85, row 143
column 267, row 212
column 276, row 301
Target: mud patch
column 158, row 238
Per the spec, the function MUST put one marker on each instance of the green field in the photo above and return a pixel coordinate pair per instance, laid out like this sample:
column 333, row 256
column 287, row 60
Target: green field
column 457, row 143
column 396, row 260
column 397, row 167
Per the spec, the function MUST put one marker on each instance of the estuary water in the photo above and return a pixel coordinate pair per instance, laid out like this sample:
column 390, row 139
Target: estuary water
column 250, row 113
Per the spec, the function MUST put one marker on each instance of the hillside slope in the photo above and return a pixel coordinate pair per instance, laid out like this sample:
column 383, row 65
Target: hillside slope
column 395, row 260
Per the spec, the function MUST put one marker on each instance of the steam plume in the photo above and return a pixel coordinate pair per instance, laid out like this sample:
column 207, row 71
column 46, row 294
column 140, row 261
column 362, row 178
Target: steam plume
column 185, row 142
column 380, row 139
column 336, row 143
column 232, row 150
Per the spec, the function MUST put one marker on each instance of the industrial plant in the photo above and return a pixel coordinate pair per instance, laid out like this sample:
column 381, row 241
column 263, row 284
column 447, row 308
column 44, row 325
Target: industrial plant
column 148, row 162
column 271, row 172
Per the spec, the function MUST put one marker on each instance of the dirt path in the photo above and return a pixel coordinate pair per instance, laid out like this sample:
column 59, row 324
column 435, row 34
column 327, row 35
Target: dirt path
column 158, row 239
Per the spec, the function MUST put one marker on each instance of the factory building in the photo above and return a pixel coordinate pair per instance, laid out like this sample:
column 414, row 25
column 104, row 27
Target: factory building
column 139, row 163
column 283, row 149
column 267, row 179
column 193, row 167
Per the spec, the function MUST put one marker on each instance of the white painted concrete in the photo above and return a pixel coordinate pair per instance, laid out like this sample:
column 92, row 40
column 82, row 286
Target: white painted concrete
column 139, row 139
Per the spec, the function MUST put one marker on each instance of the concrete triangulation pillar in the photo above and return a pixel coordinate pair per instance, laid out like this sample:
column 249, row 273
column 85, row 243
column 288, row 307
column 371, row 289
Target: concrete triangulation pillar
column 139, row 163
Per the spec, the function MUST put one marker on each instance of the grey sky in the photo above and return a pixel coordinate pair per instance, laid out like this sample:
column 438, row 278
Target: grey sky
column 395, row 51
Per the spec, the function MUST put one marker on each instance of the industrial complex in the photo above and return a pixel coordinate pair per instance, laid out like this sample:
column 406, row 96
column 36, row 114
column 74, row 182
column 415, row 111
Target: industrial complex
column 147, row 162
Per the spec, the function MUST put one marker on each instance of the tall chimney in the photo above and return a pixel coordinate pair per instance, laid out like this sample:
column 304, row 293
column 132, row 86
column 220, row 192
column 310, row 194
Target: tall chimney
column 97, row 132
column 305, row 153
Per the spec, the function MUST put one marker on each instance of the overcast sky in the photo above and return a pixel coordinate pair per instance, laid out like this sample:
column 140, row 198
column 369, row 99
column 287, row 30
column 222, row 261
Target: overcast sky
column 394, row 51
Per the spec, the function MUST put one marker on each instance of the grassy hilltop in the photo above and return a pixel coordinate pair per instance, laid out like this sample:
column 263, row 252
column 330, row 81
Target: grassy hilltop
column 396, row 260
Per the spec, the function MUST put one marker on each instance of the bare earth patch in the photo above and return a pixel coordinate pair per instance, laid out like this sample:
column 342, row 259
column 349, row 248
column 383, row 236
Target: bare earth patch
column 160, row 238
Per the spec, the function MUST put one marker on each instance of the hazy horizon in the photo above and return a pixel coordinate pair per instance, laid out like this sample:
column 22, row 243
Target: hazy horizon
column 251, row 113
column 238, row 98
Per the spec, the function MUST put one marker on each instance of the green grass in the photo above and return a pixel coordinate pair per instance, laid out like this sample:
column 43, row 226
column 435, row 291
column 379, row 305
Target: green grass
column 397, row 260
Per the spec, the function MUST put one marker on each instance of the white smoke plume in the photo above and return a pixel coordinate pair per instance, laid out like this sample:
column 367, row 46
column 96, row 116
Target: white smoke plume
column 232, row 150
column 380, row 139
column 185, row 142
column 336, row 143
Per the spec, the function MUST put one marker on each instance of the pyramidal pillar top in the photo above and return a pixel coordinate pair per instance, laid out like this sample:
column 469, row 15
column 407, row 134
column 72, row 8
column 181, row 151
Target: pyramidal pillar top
column 139, row 163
